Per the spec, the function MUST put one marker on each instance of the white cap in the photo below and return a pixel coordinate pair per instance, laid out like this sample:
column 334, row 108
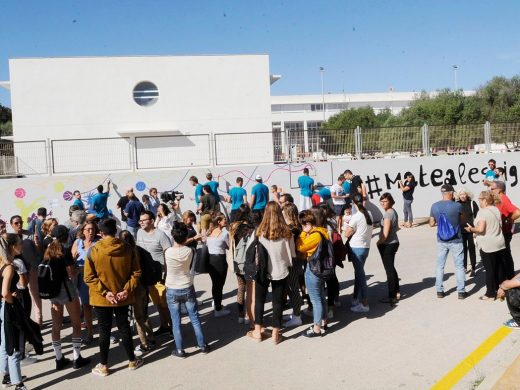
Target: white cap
column 258, row 177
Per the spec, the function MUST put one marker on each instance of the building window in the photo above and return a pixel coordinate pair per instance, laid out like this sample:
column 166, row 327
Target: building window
column 146, row 93
column 317, row 107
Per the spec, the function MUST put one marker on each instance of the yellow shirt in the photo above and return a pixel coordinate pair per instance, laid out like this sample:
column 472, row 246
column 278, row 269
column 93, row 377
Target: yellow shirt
column 307, row 243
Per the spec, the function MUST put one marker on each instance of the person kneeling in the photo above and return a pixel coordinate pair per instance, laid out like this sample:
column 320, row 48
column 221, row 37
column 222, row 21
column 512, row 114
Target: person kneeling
column 510, row 289
column 180, row 290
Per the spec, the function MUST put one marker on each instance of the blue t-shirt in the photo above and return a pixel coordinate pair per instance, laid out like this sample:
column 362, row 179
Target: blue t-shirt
column 325, row 194
column 237, row 197
column 490, row 175
column 79, row 203
column 214, row 189
column 99, row 204
column 133, row 209
column 305, row 182
column 261, row 194
column 198, row 193
column 452, row 211
column 346, row 186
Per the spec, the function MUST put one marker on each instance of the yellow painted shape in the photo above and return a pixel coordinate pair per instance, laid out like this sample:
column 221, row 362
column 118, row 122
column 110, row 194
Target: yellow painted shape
column 470, row 361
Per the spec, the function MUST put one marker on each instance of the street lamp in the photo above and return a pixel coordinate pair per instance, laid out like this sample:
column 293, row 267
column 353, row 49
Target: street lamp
column 455, row 69
column 322, row 70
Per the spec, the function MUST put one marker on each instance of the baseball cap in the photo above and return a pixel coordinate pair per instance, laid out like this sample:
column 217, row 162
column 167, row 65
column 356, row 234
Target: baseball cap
column 258, row 177
column 447, row 188
column 60, row 232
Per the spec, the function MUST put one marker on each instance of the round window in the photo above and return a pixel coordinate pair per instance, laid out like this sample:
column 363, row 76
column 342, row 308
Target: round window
column 146, row 93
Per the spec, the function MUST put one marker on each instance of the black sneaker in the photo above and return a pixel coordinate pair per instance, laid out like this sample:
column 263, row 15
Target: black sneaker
column 441, row 294
column 463, row 295
column 163, row 330
column 310, row 333
column 62, row 363
column 80, row 362
column 179, row 353
column 6, row 382
column 20, row 386
column 205, row 349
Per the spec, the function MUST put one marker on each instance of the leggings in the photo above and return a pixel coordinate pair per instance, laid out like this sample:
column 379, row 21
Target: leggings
column 494, row 264
column 104, row 315
column 293, row 286
column 387, row 252
column 407, row 210
column 469, row 248
column 332, row 289
column 260, row 297
column 217, row 268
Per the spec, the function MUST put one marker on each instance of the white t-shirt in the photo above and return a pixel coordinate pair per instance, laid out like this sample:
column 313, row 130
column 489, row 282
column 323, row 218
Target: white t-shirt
column 178, row 262
column 20, row 268
column 338, row 190
column 362, row 231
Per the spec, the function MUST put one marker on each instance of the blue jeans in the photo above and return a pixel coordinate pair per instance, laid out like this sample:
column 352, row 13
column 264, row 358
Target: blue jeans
column 457, row 252
column 9, row 364
column 359, row 256
column 316, row 290
column 132, row 230
column 174, row 299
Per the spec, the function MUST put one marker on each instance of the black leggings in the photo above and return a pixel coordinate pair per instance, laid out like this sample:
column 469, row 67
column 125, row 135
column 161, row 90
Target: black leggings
column 332, row 289
column 387, row 252
column 260, row 297
column 494, row 264
column 104, row 315
column 217, row 269
column 469, row 246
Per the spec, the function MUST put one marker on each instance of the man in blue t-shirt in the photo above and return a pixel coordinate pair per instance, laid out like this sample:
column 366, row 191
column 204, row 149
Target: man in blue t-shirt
column 133, row 210
column 237, row 197
column 77, row 200
column 306, row 185
column 99, row 201
column 490, row 174
column 259, row 195
column 198, row 189
column 446, row 214
column 213, row 185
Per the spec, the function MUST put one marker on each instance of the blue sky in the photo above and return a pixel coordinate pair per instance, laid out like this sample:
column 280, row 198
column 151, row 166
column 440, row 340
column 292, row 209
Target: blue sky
column 364, row 45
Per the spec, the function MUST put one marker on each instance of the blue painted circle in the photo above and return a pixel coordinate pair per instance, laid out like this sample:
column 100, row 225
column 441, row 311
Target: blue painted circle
column 140, row 186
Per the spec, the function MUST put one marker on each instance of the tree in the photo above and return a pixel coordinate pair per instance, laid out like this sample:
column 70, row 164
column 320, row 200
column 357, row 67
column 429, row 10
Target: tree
column 5, row 114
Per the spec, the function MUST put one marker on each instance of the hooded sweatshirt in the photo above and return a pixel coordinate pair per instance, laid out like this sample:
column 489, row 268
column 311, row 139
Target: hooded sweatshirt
column 307, row 243
column 111, row 267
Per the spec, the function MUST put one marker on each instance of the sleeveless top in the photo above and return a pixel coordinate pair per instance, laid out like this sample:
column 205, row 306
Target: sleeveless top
column 82, row 251
column 14, row 280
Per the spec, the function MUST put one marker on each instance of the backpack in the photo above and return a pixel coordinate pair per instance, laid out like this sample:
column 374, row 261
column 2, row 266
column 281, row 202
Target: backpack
column 240, row 253
column 49, row 281
column 322, row 261
column 445, row 230
column 255, row 265
column 151, row 270
column 339, row 249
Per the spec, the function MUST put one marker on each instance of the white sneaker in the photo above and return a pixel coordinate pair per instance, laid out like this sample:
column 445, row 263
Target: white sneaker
column 222, row 313
column 337, row 302
column 360, row 308
column 28, row 360
column 330, row 314
column 293, row 322
column 183, row 309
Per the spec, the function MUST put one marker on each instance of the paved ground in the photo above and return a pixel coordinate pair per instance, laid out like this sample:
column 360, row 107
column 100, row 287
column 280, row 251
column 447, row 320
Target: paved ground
column 410, row 346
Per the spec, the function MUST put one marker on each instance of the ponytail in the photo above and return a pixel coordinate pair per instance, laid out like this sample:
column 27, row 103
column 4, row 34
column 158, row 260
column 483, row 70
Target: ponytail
column 358, row 201
column 55, row 250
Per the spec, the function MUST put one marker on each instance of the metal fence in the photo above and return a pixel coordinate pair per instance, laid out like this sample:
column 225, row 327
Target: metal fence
column 277, row 146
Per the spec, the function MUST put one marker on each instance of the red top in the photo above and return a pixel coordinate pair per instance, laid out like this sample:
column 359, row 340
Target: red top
column 506, row 209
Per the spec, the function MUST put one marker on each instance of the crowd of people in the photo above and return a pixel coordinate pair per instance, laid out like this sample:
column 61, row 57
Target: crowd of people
column 94, row 267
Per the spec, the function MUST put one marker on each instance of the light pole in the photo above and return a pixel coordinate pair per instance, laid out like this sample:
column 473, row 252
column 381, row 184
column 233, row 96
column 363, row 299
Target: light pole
column 322, row 70
column 455, row 69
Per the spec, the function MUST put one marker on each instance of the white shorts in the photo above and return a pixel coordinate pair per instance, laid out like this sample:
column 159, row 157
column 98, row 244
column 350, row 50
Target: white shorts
column 305, row 203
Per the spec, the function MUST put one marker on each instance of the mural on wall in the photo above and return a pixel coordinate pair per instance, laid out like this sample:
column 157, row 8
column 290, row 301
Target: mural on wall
column 24, row 196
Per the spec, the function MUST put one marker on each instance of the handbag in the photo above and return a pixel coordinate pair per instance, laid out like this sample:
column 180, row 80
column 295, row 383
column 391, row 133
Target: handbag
column 201, row 259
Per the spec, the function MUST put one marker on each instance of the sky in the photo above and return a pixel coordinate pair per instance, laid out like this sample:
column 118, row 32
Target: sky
column 363, row 45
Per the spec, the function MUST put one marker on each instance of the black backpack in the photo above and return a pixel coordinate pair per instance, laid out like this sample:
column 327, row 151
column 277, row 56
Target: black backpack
column 255, row 265
column 49, row 281
column 322, row 261
column 151, row 270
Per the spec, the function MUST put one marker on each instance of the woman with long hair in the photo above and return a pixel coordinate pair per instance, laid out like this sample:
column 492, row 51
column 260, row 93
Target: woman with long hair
column 310, row 237
column 240, row 233
column 47, row 226
column 469, row 213
column 408, row 187
column 295, row 278
column 87, row 238
column 490, row 240
column 144, row 327
column 9, row 363
column 63, row 268
column 276, row 237
column 360, row 232
column 217, row 242
column 387, row 244
column 164, row 219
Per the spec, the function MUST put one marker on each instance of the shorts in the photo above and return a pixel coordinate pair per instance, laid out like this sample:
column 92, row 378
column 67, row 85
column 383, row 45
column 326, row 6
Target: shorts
column 338, row 209
column 63, row 297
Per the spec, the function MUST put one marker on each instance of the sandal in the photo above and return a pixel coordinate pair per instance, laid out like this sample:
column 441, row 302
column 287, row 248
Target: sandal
column 486, row 298
column 251, row 335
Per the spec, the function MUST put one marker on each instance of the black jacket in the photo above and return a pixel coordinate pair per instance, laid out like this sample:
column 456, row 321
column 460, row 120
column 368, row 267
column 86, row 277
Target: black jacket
column 17, row 321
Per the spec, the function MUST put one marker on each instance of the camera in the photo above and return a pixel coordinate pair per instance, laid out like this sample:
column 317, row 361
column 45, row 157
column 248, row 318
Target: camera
column 170, row 196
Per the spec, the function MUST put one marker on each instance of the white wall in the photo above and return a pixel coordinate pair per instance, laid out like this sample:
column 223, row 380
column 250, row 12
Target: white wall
column 92, row 97
column 24, row 196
